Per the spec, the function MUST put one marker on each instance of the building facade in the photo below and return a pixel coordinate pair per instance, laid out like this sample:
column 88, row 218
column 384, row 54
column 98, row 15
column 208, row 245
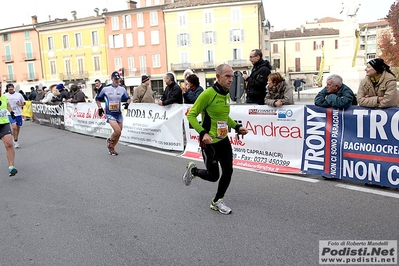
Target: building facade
column 74, row 52
column 136, row 44
column 202, row 35
column 302, row 52
column 21, row 62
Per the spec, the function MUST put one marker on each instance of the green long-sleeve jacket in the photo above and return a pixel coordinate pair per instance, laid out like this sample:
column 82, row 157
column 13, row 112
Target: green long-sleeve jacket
column 213, row 104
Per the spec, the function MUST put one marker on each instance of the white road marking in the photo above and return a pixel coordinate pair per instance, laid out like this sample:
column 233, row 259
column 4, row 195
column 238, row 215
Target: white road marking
column 293, row 177
column 368, row 190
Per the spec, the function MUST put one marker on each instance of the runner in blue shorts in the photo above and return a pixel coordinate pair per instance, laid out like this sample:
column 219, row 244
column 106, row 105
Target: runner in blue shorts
column 5, row 133
column 17, row 102
column 113, row 95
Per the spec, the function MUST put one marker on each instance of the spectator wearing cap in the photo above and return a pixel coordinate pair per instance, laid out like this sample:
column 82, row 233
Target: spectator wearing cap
column 48, row 94
column 172, row 93
column 63, row 94
column 78, row 95
column 144, row 93
column 32, row 95
column 39, row 95
column 113, row 94
column 378, row 88
column 192, row 90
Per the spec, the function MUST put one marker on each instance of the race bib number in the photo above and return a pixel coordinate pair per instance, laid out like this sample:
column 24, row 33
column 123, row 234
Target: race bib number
column 114, row 107
column 222, row 129
column 3, row 113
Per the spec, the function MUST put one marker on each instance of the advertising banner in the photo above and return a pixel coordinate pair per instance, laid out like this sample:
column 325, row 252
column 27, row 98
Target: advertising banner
column 370, row 147
column 154, row 125
column 49, row 114
column 27, row 110
column 83, row 118
column 274, row 142
column 358, row 144
column 322, row 141
column 147, row 124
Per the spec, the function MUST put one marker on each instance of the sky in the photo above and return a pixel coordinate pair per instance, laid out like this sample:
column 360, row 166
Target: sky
column 282, row 14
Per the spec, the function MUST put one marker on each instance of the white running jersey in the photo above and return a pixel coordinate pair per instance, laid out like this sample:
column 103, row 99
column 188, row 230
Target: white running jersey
column 13, row 99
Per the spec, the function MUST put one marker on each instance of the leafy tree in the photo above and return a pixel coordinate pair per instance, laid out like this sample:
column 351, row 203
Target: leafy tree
column 389, row 41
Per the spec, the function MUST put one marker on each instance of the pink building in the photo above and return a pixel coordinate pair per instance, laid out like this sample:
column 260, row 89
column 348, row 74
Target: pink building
column 136, row 44
column 20, row 56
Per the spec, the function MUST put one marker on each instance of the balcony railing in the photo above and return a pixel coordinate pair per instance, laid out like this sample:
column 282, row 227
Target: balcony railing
column 30, row 76
column 307, row 69
column 29, row 56
column 9, row 78
column 209, row 64
column 7, row 58
column 181, row 66
column 74, row 75
column 238, row 63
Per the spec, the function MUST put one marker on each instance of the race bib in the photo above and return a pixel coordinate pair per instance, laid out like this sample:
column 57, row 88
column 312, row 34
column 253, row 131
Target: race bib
column 114, row 107
column 3, row 113
column 222, row 129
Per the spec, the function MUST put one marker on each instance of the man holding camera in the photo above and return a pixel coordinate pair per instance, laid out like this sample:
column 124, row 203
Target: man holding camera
column 113, row 95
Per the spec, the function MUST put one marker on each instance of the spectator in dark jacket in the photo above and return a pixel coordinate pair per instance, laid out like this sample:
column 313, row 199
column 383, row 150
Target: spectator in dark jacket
column 39, row 95
column 335, row 94
column 32, row 95
column 192, row 89
column 23, row 95
column 63, row 94
column 257, row 80
column 172, row 93
column 78, row 95
column 298, row 83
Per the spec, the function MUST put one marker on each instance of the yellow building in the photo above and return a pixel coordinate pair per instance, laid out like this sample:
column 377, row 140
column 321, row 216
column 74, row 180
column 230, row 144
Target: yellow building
column 202, row 36
column 75, row 52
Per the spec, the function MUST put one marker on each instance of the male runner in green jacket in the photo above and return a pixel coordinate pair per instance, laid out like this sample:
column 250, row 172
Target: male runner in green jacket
column 214, row 106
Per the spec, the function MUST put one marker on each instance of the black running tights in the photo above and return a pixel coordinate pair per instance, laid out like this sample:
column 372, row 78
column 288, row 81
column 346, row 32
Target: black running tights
column 213, row 154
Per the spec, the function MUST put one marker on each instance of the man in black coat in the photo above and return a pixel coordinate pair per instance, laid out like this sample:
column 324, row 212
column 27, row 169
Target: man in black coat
column 298, row 83
column 257, row 81
column 172, row 93
column 32, row 95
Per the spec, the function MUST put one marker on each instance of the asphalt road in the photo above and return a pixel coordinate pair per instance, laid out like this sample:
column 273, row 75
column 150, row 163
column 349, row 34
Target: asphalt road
column 73, row 204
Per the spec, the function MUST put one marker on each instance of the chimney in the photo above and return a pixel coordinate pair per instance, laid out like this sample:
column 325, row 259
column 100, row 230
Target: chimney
column 131, row 4
column 302, row 28
column 97, row 11
column 74, row 14
column 272, row 29
column 34, row 19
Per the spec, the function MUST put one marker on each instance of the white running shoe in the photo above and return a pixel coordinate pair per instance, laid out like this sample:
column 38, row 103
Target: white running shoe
column 16, row 144
column 220, row 206
column 188, row 176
